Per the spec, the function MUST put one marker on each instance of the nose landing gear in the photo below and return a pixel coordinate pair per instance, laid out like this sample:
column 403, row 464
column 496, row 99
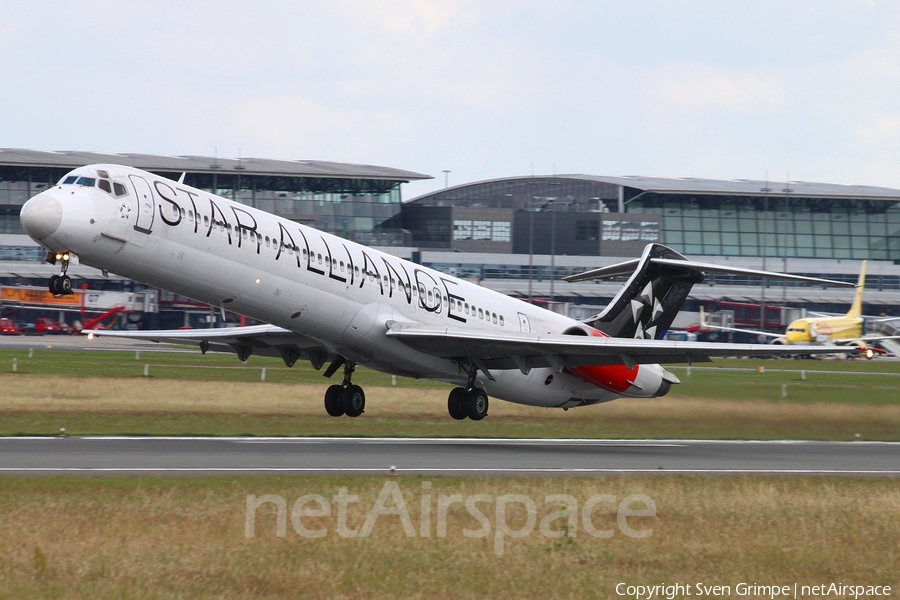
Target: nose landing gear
column 60, row 285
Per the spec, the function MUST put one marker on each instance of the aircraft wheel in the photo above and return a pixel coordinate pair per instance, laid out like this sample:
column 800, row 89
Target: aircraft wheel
column 456, row 403
column 54, row 285
column 353, row 401
column 476, row 404
column 64, row 284
column 333, row 404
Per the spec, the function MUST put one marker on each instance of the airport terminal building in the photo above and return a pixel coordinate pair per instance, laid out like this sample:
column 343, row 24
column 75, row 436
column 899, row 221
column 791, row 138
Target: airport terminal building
column 617, row 216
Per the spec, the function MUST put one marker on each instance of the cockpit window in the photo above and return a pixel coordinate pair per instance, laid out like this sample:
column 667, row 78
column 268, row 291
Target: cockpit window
column 87, row 181
column 120, row 189
column 104, row 185
column 71, row 179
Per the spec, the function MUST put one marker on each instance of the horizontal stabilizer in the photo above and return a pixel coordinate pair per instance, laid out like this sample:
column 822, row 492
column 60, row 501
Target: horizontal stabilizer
column 689, row 265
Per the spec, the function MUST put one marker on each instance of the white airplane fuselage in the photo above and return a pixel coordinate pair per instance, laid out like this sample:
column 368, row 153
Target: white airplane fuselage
column 342, row 294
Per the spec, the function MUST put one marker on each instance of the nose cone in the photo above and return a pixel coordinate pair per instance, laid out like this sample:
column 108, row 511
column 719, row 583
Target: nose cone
column 41, row 216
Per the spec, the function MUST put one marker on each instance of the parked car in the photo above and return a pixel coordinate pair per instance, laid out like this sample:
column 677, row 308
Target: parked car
column 46, row 325
column 8, row 327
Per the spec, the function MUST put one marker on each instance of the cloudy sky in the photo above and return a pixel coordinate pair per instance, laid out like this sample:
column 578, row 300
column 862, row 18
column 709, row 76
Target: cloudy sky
column 674, row 88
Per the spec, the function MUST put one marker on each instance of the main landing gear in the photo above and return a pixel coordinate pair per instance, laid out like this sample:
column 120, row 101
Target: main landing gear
column 61, row 285
column 345, row 399
column 470, row 401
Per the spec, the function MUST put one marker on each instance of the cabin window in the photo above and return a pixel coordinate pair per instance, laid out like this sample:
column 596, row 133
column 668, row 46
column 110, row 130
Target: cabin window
column 430, row 296
column 494, row 317
column 104, row 185
column 480, row 314
column 356, row 271
column 267, row 241
column 467, row 307
column 501, row 320
column 190, row 215
column 445, row 299
column 342, row 266
column 205, row 221
column 181, row 212
column 244, row 231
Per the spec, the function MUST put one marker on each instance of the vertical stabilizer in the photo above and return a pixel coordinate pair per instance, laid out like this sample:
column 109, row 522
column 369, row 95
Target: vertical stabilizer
column 856, row 308
column 648, row 303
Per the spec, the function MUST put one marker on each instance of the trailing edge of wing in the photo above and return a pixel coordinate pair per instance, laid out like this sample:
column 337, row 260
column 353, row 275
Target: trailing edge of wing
column 689, row 265
column 263, row 340
column 513, row 350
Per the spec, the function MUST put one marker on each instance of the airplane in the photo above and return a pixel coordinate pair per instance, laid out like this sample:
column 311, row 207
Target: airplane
column 843, row 330
column 331, row 301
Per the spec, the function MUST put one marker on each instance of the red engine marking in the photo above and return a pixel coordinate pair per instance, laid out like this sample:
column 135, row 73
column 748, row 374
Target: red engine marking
column 614, row 378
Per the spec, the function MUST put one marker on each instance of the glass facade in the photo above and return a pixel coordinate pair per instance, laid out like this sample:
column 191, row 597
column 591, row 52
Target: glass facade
column 780, row 225
column 493, row 231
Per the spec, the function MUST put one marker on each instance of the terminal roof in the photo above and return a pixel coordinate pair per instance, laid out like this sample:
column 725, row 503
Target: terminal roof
column 206, row 164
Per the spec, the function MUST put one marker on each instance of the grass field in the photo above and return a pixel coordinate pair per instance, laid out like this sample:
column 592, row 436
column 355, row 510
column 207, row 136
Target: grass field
column 149, row 537
column 186, row 393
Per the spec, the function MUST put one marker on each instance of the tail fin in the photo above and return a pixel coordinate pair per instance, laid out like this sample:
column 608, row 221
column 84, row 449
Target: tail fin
column 856, row 308
column 648, row 303
column 660, row 281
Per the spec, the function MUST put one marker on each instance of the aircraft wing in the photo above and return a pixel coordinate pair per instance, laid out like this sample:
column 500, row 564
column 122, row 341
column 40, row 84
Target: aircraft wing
column 490, row 349
column 263, row 340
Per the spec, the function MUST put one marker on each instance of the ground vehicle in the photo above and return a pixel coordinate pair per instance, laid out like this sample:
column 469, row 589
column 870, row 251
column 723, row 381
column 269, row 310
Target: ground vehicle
column 8, row 327
column 46, row 325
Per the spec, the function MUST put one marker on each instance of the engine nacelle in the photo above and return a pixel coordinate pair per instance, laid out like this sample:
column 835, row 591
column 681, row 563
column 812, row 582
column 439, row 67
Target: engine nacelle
column 639, row 381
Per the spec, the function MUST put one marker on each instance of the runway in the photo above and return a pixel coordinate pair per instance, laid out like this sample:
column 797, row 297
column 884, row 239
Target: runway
column 477, row 457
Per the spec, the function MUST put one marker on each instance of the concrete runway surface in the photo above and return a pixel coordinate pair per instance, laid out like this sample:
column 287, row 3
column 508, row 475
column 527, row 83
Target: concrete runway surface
column 298, row 456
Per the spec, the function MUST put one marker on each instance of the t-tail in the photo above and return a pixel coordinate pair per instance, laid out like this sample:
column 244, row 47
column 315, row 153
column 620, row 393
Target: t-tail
column 660, row 282
column 856, row 308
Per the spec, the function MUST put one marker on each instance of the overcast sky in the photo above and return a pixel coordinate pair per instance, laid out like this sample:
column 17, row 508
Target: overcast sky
column 485, row 89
